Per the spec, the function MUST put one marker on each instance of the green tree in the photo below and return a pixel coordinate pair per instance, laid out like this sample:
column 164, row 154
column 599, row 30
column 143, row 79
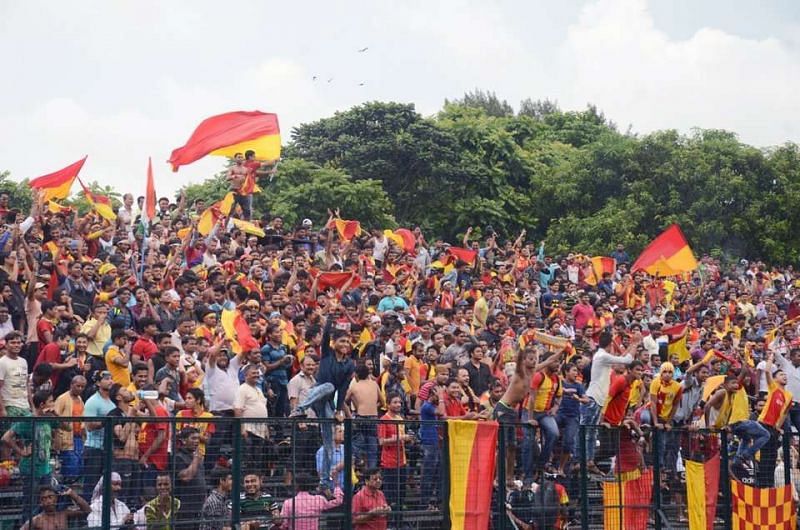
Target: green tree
column 20, row 196
column 486, row 101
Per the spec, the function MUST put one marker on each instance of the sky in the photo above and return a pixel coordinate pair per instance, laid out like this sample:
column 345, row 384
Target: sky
column 126, row 80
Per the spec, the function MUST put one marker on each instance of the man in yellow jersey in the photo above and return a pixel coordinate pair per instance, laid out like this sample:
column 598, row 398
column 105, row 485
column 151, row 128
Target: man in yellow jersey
column 733, row 413
column 771, row 418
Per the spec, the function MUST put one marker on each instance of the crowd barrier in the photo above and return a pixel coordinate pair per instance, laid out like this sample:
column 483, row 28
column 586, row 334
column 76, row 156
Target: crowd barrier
column 650, row 479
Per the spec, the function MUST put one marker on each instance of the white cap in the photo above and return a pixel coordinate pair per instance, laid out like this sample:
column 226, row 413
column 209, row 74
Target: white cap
column 307, row 222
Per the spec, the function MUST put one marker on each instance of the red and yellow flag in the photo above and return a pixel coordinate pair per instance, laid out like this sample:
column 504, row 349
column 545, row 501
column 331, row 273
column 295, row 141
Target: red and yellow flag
column 472, row 464
column 626, row 504
column 677, row 341
column 467, row 255
column 702, row 489
column 667, row 255
column 100, row 203
column 403, row 238
column 347, row 229
column 600, row 266
column 756, row 508
column 54, row 207
column 231, row 133
column 248, row 228
column 214, row 213
column 149, row 212
column 237, row 330
column 57, row 185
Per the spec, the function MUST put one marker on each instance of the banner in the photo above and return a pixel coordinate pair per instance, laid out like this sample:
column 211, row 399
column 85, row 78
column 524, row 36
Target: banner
column 626, row 504
column 702, row 489
column 762, row 508
column 472, row 463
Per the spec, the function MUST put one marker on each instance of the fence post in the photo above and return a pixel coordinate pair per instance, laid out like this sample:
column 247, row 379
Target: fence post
column 787, row 455
column 236, row 472
column 725, row 479
column 657, row 434
column 584, row 480
column 501, row 478
column 348, row 473
column 108, row 459
column 445, row 476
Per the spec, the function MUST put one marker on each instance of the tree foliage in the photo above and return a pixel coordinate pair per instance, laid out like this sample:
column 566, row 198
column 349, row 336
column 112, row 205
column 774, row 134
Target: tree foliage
column 569, row 177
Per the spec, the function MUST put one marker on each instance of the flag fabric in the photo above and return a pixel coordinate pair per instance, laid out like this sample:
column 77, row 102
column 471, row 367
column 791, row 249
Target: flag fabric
column 626, row 504
column 237, row 331
column 149, row 212
column 214, row 213
column 54, row 207
column 702, row 489
column 472, row 464
column 231, row 133
column 599, row 266
column 667, row 255
column 100, row 203
column 57, row 185
column 347, row 229
column 403, row 238
column 762, row 508
column 467, row 255
column 337, row 280
column 677, row 341
column 248, row 228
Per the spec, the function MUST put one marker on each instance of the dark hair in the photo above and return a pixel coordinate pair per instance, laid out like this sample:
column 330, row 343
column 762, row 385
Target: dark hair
column 138, row 367
column 198, row 394
column 169, row 350
column 113, row 392
column 305, row 482
column 186, row 432
column 43, row 370
column 362, row 371
column 605, row 339
column 118, row 334
column 41, row 397
column 391, row 396
column 636, row 364
column 218, row 474
column 47, row 305
column 146, row 321
column 371, row 472
column 12, row 335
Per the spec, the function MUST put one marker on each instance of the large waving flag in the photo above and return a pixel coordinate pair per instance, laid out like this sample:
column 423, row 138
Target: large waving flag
column 101, row 203
column 626, row 503
column 702, row 490
column 667, row 255
column 600, row 266
column 472, row 463
column 754, row 508
column 403, row 238
column 231, row 133
column 214, row 213
column 347, row 229
column 467, row 255
column 237, row 330
column 248, row 228
column 677, row 341
column 57, row 185
column 149, row 212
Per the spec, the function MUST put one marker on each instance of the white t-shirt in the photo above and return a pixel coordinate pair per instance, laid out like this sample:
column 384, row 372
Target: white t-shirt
column 762, row 379
column 379, row 249
column 14, row 375
column 253, row 403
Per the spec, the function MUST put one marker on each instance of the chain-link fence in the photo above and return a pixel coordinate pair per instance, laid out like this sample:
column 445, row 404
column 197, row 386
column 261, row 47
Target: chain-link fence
column 303, row 473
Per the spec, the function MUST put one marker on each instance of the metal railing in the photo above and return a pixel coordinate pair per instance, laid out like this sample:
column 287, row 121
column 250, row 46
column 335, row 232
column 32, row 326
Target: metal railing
column 273, row 466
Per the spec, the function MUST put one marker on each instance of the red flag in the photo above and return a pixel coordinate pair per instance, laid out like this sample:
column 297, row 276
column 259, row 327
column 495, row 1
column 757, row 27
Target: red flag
column 228, row 133
column 243, row 335
column 600, row 266
column 101, row 203
column 464, row 254
column 337, row 280
column 58, row 184
column 626, row 502
column 667, row 255
column 149, row 212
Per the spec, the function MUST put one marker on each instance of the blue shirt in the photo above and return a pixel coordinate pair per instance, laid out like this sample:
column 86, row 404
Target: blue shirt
column 428, row 434
column 271, row 354
column 569, row 406
column 336, row 458
column 388, row 303
column 96, row 406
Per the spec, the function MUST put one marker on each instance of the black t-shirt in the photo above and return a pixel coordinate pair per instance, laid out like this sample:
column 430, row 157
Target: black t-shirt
column 192, row 493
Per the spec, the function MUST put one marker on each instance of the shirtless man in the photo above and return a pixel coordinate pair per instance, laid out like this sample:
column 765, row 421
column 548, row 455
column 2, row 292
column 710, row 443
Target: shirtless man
column 237, row 174
column 518, row 388
column 49, row 518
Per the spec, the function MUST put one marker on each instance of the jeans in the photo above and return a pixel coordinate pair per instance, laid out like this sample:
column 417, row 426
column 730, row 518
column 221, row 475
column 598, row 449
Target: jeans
column 549, row 430
column 394, row 487
column 590, row 417
column 246, row 203
column 365, row 440
column 431, row 463
column 319, row 398
column 794, row 415
column 223, row 437
column 92, row 470
column 529, row 449
column 71, row 461
column 752, row 437
column 568, row 427
column 765, row 476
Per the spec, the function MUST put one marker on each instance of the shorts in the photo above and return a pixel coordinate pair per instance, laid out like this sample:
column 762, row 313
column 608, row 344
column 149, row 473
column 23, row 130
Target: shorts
column 508, row 416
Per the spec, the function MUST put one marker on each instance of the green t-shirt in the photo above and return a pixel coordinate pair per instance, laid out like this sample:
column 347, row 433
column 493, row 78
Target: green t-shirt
column 43, row 431
column 257, row 508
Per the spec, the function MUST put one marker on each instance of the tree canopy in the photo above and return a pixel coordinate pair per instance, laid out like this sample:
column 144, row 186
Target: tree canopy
column 569, row 177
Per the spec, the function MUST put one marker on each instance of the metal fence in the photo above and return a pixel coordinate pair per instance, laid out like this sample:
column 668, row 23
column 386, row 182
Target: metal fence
column 209, row 473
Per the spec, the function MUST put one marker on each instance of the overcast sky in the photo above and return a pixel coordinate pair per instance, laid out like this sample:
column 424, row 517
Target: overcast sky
column 124, row 80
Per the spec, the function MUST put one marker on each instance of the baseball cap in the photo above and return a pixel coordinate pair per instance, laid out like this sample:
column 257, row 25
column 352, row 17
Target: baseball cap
column 40, row 285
